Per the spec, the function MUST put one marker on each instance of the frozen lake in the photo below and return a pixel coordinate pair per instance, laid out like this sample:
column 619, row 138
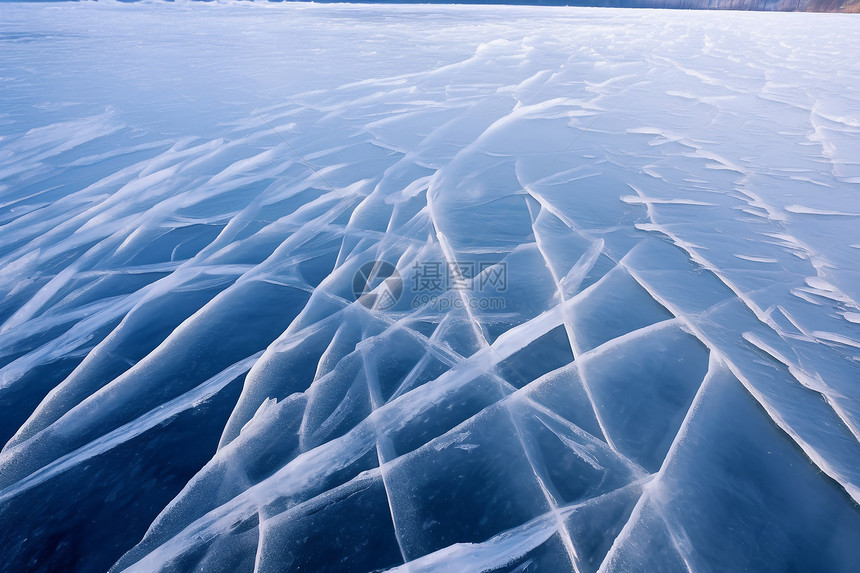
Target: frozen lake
column 355, row 288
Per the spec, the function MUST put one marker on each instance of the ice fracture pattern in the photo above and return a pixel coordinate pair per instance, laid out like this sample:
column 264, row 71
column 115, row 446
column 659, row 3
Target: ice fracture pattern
column 625, row 334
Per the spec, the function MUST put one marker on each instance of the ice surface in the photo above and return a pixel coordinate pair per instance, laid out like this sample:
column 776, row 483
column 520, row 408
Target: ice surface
column 643, row 354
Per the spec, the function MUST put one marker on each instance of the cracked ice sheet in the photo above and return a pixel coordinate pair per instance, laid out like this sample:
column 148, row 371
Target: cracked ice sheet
column 187, row 380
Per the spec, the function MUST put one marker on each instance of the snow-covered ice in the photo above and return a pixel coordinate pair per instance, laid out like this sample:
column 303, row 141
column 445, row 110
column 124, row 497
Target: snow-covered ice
column 623, row 333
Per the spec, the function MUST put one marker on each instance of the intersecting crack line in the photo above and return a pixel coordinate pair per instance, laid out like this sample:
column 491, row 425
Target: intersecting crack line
column 561, row 526
column 308, row 164
column 819, row 461
column 384, row 451
column 527, row 188
column 762, row 316
column 715, row 363
column 546, row 531
column 252, row 493
column 567, row 320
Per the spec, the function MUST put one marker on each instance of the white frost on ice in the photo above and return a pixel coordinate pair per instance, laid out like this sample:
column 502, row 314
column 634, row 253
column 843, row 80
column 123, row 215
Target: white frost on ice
column 649, row 361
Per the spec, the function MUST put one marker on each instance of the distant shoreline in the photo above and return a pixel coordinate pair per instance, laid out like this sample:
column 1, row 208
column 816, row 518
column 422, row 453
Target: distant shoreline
column 817, row 6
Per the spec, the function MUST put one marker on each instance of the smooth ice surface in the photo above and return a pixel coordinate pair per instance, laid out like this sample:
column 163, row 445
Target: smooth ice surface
column 651, row 361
